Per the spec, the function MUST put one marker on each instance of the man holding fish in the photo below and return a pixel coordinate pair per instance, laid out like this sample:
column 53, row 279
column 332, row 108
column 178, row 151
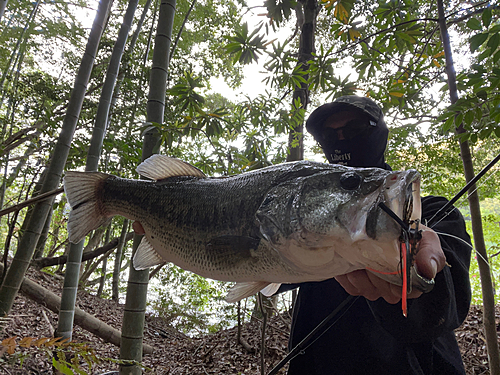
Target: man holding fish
column 373, row 337
column 306, row 222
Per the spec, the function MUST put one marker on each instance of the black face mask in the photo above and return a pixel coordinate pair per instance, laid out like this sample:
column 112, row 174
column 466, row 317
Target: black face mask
column 364, row 144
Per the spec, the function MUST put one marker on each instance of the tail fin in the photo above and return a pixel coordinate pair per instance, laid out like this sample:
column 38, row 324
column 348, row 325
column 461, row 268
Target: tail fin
column 86, row 215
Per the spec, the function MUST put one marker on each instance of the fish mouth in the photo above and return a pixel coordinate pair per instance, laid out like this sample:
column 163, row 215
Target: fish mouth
column 402, row 195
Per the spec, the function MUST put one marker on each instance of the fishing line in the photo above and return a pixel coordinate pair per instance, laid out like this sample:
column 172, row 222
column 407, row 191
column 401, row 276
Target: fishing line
column 349, row 301
column 468, row 195
column 453, row 236
column 443, row 209
column 465, row 242
column 302, row 346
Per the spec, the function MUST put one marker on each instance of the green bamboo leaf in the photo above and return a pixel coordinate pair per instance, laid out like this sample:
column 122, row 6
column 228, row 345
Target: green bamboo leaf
column 405, row 36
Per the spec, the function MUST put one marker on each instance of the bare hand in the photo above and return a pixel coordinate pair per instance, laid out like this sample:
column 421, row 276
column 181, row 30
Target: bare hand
column 429, row 261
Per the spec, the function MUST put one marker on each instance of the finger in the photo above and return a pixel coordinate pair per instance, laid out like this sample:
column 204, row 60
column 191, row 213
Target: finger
column 346, row 284
column 360, row 280
column 387, row 291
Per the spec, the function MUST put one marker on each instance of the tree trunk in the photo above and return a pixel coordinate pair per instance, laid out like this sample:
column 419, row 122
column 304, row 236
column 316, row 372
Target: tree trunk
column 102, row 279
column 135, row 304
column 29, row 23
column 3, row 5
column 68, row 299
column 21, row 261
column 104, row 264
column 40, row 245
column 129, row 51
column 306, row 49
column 115, row 285
column 475, row 211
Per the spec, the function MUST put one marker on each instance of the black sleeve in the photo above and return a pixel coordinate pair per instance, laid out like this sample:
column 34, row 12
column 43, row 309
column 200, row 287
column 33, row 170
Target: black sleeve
column 446, row 306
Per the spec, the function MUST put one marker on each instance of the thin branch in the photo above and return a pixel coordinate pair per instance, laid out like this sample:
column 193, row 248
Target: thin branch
column 47, row 262
column 31, row 201
column 181, row 28
column 365, row 39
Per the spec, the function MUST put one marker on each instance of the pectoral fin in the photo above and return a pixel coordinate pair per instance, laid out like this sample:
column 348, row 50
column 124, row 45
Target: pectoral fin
column 242, row 246
column 146, row 256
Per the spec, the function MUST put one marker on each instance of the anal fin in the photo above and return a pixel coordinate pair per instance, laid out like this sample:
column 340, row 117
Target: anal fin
column 269, row 290
column 247, row 289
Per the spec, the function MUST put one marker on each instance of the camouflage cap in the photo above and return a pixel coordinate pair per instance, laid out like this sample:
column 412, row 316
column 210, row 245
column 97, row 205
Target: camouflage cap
column 314, row 123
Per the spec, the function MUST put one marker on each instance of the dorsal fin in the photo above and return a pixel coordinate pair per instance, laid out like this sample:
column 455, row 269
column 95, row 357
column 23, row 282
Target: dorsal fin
column 158, row 167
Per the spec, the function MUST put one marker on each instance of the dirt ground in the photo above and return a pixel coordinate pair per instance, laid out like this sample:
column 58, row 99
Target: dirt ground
column 174, row 353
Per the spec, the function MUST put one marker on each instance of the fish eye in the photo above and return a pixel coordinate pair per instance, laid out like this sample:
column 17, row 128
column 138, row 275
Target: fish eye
column 350, row 180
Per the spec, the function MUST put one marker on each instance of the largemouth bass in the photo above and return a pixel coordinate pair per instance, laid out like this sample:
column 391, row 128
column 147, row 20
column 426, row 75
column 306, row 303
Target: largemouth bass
column 287, row 223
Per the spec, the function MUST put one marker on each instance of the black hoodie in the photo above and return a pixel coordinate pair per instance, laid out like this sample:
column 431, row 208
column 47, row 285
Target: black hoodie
column 374, row 337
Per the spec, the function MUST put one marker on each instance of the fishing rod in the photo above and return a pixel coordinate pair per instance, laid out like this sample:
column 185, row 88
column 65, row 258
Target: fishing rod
column 306, row 341
column 326, row 324
column 349, row 300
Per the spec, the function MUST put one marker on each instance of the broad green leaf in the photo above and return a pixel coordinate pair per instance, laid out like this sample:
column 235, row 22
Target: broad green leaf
column 459, row 119
column 477, row 40
column 496, row 56
column 468, row 118
column 493, row 42
column 482, row 94
column 474, row 24
column 448, row 123
column 484, row 55
column 486, row 17
column 479, row 113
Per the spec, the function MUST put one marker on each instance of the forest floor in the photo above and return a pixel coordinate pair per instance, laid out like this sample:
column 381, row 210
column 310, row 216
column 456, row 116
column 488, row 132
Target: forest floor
column 175, row 353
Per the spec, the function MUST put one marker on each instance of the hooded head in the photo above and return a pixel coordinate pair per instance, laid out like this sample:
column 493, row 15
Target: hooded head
column 351, row 130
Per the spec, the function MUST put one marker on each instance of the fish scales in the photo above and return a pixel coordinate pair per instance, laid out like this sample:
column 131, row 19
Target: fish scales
column 187, row 212
column 292, row 222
